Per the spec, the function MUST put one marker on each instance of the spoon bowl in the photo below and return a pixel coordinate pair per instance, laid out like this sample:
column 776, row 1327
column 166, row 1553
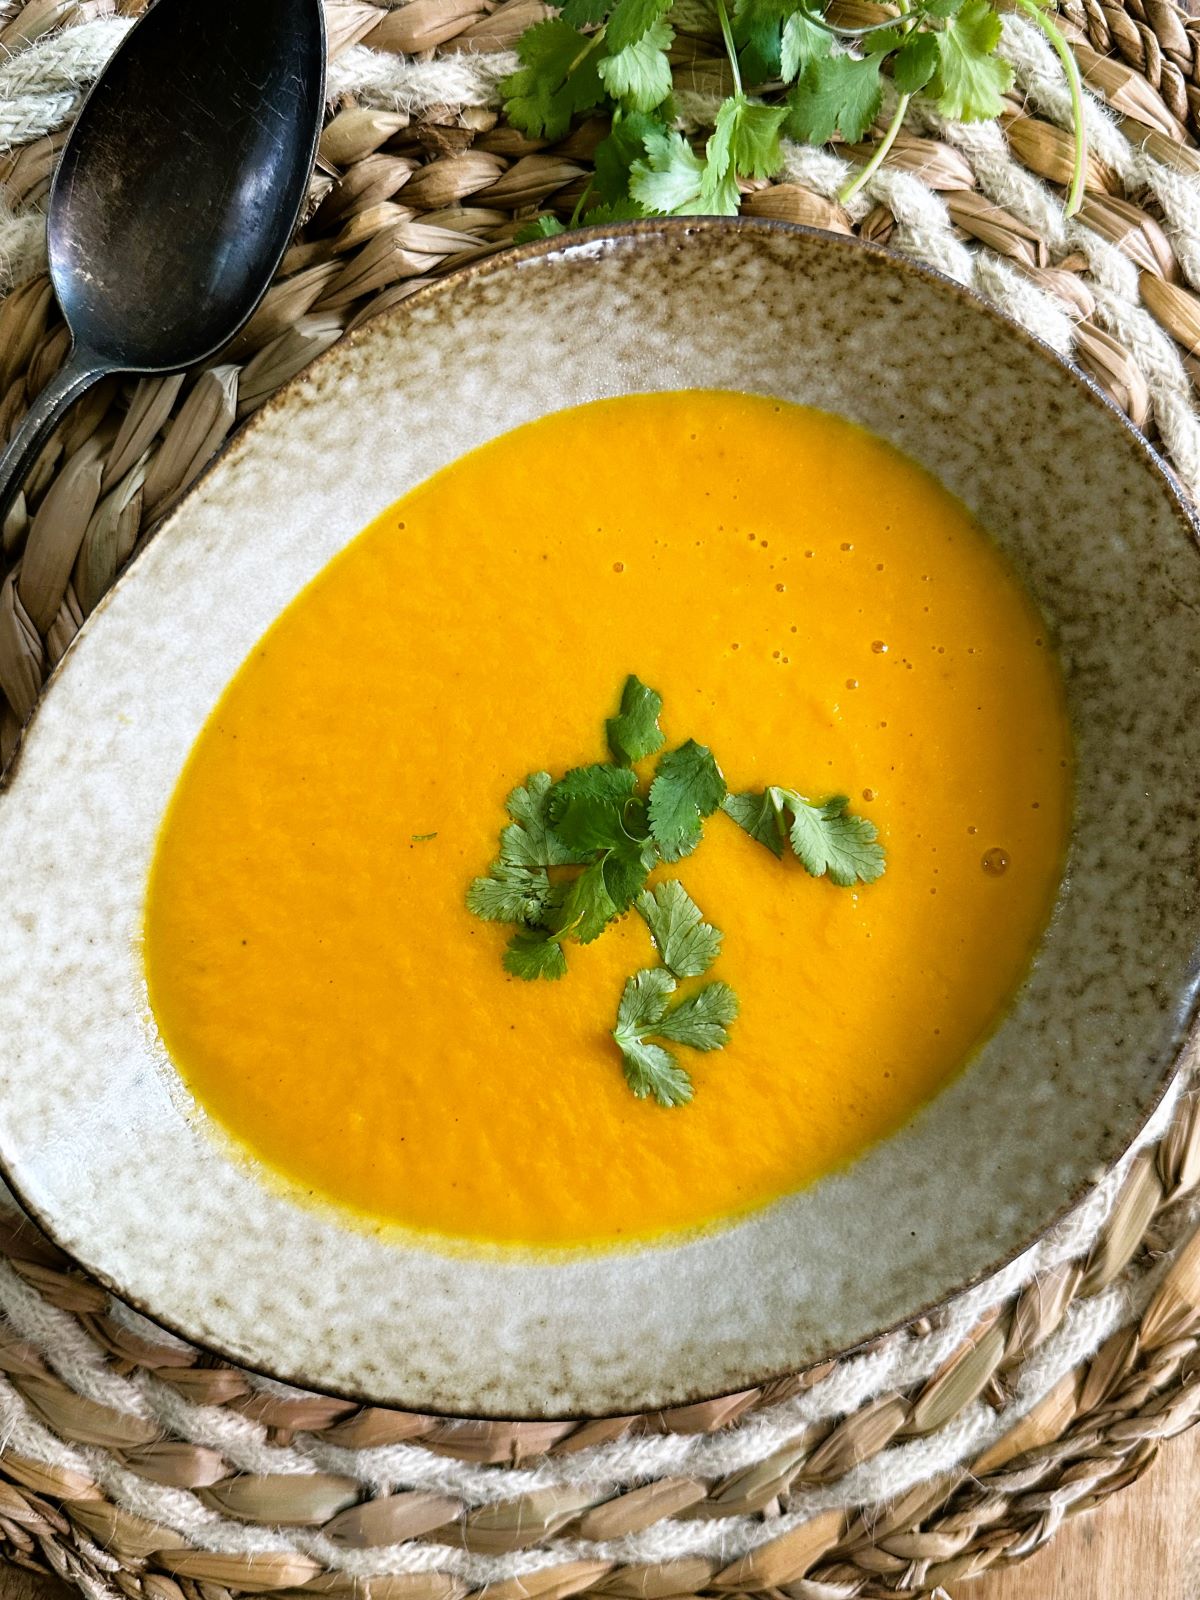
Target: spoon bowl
column 179, row 187
column 177, row 193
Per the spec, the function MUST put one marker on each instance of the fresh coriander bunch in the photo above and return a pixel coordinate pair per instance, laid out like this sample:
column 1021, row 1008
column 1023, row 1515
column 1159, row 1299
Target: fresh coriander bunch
column 797, row 74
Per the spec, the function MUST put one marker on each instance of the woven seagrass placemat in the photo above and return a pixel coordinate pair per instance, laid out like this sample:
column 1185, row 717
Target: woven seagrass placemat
column 132, row 1462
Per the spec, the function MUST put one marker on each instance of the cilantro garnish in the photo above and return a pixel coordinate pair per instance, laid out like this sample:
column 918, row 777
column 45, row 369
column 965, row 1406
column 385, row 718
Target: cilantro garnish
column 822, row 74
column 587, row 807
column 577, row 853
column 759, row 817
column 686, row 944
column 687, row 787
column 587, row 906
column 634, row 732
column 533, row 953
column 701, row 1021
column 511, row 893
column 529, row 842
column 827, row 837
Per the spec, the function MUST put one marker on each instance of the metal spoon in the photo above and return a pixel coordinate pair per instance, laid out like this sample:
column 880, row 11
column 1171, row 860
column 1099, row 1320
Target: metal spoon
column 177, row 193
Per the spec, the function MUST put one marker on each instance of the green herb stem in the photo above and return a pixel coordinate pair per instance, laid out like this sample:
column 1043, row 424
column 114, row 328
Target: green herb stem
column 880, row 153
column 730, row 46
column 1071, row 69
column 837, row 31
column 577, row 214
column 591, row 42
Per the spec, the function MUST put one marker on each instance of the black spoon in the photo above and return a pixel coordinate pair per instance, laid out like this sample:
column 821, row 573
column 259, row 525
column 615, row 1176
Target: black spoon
column 177, row 193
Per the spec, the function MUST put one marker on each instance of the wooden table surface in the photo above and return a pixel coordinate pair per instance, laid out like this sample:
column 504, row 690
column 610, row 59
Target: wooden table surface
column 1143, row 1544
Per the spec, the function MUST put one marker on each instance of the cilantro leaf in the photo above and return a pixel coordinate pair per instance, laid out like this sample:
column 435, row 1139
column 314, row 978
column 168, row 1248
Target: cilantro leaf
column 673, row 181
column 719, row 192
column 586, row 807
column 531, row 955
column 686, row 944
column 747, row 15
column 830, row 838
column 639, row 76
column 971, row 80
column 615, row 155
column 649, row 1069
column 632, row 20
column 756, row 29
column 644, row 1000
column 778, row 38
column 511, row 894
column 757, row 815
column 802, row 41
column 667, row 181
column 702, row 1020
column 557, row 78
column 827, row 838
column 745, row 141
column 626, row 869
column 584, row 13
column 634, row 732
column 836, row 93
column 530, row 841
column 756, row 32
column 688, row 786
column 637, row 825
column 587, row 906
column 883, row 41
column 542, row 228
column 618, row 211
column 916, row 62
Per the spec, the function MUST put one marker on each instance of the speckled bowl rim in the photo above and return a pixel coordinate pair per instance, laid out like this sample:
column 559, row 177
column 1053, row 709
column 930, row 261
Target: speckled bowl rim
column 1126, row 1131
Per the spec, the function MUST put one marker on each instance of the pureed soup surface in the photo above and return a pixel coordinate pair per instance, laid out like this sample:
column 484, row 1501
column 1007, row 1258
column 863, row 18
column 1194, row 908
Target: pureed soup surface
column 812, row 606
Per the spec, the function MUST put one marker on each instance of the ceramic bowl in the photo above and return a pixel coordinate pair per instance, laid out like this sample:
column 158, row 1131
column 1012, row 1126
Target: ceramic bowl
column 101, row 1141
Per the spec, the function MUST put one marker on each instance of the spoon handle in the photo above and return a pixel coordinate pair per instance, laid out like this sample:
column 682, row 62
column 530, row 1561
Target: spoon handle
column 80, row 371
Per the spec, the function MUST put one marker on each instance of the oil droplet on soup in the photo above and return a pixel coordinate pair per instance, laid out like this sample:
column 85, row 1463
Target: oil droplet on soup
column 314, row 972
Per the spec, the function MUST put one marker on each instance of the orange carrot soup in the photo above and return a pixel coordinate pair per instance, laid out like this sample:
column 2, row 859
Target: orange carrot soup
column 814, row 610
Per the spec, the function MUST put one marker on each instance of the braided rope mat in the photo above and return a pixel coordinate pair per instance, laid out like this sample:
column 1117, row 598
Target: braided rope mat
column 133, row 1463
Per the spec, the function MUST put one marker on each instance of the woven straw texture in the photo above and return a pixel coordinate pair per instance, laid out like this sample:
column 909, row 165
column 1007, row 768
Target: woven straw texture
column 135, row 1464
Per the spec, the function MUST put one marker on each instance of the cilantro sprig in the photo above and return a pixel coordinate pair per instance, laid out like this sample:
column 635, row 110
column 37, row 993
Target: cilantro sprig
column 797, row 73
column 645, row 1016
column 634, row 733
column 687, row 787
column 687, row 945
column 826, row 837
column 595, row 817
column 576, row 855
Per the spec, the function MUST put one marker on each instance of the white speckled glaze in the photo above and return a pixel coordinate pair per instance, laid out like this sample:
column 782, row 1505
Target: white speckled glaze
column 99, row 1140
